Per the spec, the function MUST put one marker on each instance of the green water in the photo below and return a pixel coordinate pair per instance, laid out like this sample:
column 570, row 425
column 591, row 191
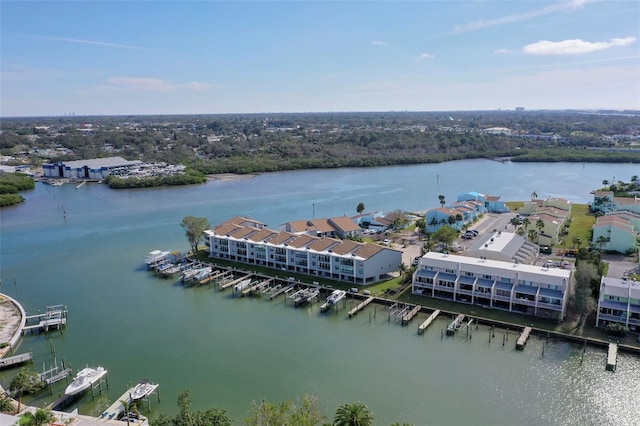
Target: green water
column 85, row 248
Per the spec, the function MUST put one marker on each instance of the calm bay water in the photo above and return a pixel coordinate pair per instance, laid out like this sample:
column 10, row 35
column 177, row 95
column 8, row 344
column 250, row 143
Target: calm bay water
column 84, row 248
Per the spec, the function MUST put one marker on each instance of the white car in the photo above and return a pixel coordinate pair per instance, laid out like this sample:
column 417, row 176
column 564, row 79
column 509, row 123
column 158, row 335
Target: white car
column 386, row 241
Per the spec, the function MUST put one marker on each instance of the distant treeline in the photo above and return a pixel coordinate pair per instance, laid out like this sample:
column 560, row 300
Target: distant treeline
column 11, row 184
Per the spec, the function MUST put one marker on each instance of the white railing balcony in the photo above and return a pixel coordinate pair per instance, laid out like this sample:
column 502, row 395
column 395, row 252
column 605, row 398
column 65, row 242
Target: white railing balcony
column 501, row 298
column 615, row 318
column 526, row 302
column 550, row 306
column 462, row 291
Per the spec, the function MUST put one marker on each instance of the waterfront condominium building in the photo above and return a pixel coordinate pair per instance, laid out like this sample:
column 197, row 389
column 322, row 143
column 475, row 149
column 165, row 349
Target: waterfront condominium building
column 512, row 286
column 248, row 241
column 619, row 302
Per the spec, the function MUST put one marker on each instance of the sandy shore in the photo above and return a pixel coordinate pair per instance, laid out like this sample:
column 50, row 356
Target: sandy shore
column 9, row 322
column 230, row 177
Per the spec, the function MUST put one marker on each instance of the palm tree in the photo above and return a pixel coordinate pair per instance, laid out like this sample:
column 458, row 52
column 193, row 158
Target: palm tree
column 433, row 223
column 40, row 418
column 354, row 414
column 534, row 195
column 451, row 219
column 442, row 201
column 539, row 225
column 526, row 222
column 532, row 234
column 515, row 222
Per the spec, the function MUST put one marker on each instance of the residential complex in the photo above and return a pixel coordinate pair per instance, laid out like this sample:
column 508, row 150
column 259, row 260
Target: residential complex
column 510, row 286
column 619, row 302
column 301, row 250
column 619, row 228
column 94, row 168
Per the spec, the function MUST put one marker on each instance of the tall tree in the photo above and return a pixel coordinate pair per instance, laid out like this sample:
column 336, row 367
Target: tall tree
column 360, row 208
column 585, row 275
column 526, row 222
column 306, row 413
column 442, row 201
column 433, row 223
column 194, row 228
column 354, row 414
column 532, row 235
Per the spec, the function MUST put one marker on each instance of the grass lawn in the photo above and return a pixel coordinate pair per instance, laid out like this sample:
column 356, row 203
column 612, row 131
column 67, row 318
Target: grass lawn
column 514, row 206
column 582, row 221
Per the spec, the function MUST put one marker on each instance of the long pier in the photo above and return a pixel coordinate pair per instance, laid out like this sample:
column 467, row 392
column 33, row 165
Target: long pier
column 214, row 275
column 612, row 356
column 16, row 360
column 361, row 306
column 428, row 321
column 278, row 292
column 522, row 340
column 409, row 315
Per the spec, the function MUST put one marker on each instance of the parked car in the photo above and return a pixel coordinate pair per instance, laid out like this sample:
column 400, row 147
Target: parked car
column 545, row 250
column 386, row 241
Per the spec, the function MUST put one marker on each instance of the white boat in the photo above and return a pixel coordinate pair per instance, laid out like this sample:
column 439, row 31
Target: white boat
column 242, row 285
column 84, row 379
column 156, row 256
column 142, row 389
column 336, row 296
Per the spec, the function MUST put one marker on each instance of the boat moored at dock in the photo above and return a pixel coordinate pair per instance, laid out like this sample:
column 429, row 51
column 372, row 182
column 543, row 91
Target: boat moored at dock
column 333, row 299
column 142, row 390
column 85, row 378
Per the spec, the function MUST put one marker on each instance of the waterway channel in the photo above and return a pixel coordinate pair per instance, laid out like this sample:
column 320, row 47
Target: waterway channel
column 85, row 248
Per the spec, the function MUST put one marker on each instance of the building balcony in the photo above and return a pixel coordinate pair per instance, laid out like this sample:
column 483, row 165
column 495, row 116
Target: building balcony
column 550, row 306
column 463, row 291
column 500, row 298
column 524, row 301
column 614, row 318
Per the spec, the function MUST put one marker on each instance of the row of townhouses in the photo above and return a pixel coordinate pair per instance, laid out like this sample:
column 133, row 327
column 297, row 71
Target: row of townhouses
column 306, row 247
column 619, row 302
column 619, row 228
column 511, row 286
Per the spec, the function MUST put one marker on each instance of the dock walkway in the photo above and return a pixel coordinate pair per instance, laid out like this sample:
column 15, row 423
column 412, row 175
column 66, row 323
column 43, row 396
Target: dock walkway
column 361, row 306
column 428, row 321
column 612, row 356
column 409, row 315
column 16, row 360
column 522, row 340
column 259, row 286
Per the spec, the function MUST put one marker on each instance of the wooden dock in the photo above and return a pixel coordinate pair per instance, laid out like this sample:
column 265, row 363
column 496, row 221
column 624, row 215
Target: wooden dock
column 455, row 325
column 55, row 317
column 259, row 286
column 234, row 282
column 214, row 275
column 409, row 315
column 117, row 409
column 522, row 340
column 360, row 307
column 52, row 378
column 612, row 356
column 16, row 360
column 278, row 292
column 428, row 321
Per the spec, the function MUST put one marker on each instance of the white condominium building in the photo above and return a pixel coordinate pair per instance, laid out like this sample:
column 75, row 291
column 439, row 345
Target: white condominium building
column 511, row 286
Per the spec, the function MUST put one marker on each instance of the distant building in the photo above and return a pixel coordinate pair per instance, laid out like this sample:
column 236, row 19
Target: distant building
column 336, row 227
column 247, row 241
column 492, row 203
column 94, row 168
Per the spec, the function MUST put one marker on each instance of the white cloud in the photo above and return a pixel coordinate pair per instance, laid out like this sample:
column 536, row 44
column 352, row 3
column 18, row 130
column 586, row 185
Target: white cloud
column 425, row 56
column 146, row 84
column 197, row 86
column 502, row 51
column 143, row 84
column 573, row 47
column 509, row 19
column 379, row 43
column 92, row 42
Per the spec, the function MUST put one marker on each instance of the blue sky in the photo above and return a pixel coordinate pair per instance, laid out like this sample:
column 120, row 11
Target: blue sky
column 166, row 57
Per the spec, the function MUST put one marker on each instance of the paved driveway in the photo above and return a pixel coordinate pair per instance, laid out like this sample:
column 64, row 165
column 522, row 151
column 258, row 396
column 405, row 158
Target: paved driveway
column 619, row 264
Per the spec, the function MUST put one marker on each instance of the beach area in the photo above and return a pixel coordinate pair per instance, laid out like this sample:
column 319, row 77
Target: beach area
column 231, row 177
